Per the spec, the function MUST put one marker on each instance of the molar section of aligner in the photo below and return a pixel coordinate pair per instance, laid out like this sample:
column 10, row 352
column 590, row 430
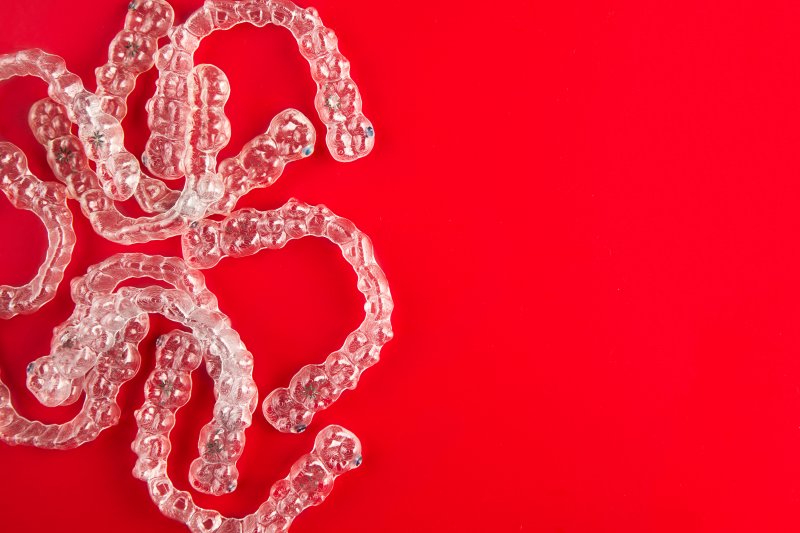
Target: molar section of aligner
column 312, row 388
column 47, row 383
column 119, row 363
column 294, row 135
column 240, row 233
column 285, row 413
column 166, row 390
column 294, row 213
column 102, row 138
column 134, row 50
column 318, row 218
column 114, row 83
column 338, row 449
column 48, row 120
column 310, row 480
column 220, row 446
column 66, row 157
column 222, row 440
column 180, row 351
column 213, row 478
column 13, row 164
column 65, row 153
column 272, row 230
column 177, row 355
column 262, row 161
column 352, row 139
column 150, row 17
column 350, row 134
column 117, row 170
column 201, row 244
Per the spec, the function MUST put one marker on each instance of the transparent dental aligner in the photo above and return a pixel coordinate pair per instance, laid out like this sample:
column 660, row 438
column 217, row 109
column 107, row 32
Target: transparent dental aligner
column 260, row 163
column 167, row 389
column 95, row 351
column 247, row 231
column 310, row 480
column 100, row 133
column 131, row 53
column 338, row 102
column 48, row 201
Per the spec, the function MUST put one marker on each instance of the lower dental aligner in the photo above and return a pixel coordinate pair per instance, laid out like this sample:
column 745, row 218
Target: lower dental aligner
column 247, row 231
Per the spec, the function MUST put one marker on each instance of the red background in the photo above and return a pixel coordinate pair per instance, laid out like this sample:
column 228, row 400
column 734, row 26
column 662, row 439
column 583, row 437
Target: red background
column 586, row 212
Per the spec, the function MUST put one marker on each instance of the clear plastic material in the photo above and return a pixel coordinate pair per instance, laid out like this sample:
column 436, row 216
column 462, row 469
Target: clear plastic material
column 96, row 350
column 48, row 201
column 186, row 118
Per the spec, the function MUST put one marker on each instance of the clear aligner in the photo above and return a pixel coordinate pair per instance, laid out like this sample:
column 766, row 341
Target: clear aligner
column 247, row 231
column 131, row 53
column 48, row 201
column 168, row 388
column 338, row 102
column 290, row 137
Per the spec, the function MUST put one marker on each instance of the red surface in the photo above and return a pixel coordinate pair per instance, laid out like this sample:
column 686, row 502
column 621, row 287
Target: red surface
column 587, row 215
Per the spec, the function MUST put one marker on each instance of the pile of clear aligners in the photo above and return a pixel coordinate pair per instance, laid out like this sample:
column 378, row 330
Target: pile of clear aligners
column 186, row 118
column 95, row 351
